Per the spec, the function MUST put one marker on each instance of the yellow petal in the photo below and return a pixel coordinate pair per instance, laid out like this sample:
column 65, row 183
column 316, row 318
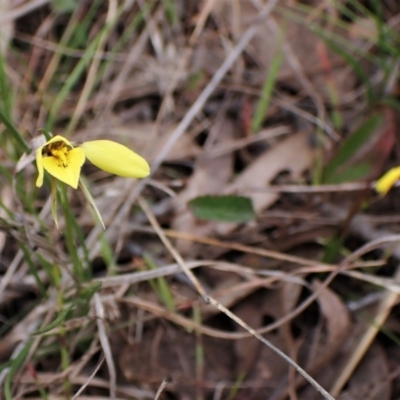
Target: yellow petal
column 39, row 157
column 68, row 172
column 384, row 184
column 116, row 159
column 39, row 164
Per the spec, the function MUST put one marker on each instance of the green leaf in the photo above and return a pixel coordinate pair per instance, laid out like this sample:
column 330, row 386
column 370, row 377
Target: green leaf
column 87, row 292
column 80, row 305
column 65, row 6
column 267, row 91
column 223, row 208
column 58, row 321
column 338, row 169
column 14, row 132
column 15, row 365
column 160, row 285
column 333, row 249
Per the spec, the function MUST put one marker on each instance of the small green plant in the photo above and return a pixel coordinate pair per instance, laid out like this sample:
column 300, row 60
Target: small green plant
column 227, row 208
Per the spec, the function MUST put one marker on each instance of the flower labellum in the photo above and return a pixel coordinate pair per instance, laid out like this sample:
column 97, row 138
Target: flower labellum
column 63, row 160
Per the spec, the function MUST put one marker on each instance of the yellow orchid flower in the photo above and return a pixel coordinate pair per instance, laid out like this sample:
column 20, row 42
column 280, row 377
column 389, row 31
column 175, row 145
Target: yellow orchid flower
column 61, row 159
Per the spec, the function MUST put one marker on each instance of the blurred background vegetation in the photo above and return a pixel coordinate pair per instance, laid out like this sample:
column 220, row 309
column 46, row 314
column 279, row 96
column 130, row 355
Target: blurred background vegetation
column 266, row 124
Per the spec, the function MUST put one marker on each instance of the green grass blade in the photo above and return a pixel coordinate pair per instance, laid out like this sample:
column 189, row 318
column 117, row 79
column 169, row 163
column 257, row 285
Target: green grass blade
column 62, row 316
column 19, row 140
column 16, row 364
column 336, row 170
column 5, row 90
column 267, row 90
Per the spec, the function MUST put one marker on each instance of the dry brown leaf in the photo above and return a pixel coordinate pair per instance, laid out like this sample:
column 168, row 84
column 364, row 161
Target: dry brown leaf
column 209, row 177
column 326, row 349
column 262, row 366
column 208, row 54
column 227, row 291
column 167, row 352
column 370, row 379
column 326, row 342
column 337, row 326
column 290, row 294
column 184, row 148
column 159, row 356
column 237, row 16
column 248, row 350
